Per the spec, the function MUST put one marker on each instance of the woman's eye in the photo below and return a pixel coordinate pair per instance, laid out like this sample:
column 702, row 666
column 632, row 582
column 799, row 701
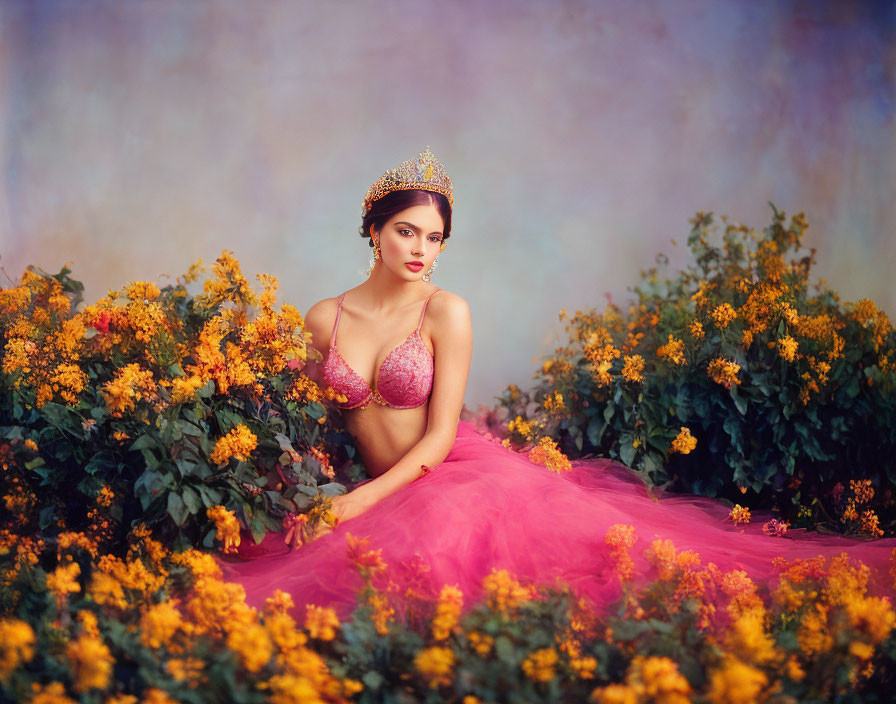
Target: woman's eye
column 408, row 231
column 435, row 238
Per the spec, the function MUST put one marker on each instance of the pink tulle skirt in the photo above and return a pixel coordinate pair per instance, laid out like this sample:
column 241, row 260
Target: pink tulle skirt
column 486, row 506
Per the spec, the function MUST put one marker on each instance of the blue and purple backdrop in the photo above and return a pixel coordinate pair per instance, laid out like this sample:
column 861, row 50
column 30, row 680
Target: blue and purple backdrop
column 136, row 137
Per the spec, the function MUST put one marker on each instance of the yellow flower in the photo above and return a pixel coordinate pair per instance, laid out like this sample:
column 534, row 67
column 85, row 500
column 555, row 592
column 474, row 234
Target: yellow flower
column 620, row 537
column 862, row 489
column 31, row 445
column 615, row 694
column 503, row 592
column 91, row 663
column 696, row 329
column 553, row 403
column 748, row 639
column 814, row 634
column 521, row 427
column 239, row 443
column 130, row 384
column 185, row 670
column 684, row 442
column 584, row 667
column 540, row 665
column 153, row 695
column 53, row 693
column 482, row 642
column 633, row 368
column 382, row 612
column 184, row 388
column 64, row 581
column 284, row 631
column 673, row 350
column 321, row 622
column 142, row 290
column 218, row 607
column 201, row 564
column 599, row 350
column 548, row 454
column 724, row 372
column 739, row 514
column 659, row 679
column 159, row 623
column 448, row 611
column 723, row 315
column 228, row 528
column 872, row 616
column 787, row 348
column 736, row 682
column 16, row 646
column 281, row 602
column 436, row 665
column 253, row 645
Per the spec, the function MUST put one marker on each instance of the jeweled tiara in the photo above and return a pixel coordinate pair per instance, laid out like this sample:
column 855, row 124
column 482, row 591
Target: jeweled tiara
column 424, row 172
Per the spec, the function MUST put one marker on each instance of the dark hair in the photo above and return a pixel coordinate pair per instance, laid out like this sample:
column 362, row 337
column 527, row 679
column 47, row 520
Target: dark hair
column 396, row 201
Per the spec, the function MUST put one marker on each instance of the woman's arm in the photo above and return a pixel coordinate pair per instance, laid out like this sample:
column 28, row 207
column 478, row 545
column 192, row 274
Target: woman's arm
column 452, row 340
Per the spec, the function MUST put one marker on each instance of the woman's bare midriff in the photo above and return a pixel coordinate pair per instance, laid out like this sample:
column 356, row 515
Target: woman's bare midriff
column 384, row 435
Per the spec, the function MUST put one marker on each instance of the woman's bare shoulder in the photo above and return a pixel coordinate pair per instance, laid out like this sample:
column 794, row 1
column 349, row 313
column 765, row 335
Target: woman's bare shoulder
column 320, row 318
column 324, row 308
column 448, row 307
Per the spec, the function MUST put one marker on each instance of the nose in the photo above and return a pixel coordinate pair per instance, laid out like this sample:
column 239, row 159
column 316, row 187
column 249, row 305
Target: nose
column 419, row 248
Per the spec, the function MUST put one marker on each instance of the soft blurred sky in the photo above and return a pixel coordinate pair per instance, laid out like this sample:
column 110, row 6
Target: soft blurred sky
column 136, row 137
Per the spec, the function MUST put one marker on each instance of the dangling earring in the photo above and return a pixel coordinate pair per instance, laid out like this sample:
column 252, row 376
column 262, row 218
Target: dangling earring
column 376, row 255
column 428, row 275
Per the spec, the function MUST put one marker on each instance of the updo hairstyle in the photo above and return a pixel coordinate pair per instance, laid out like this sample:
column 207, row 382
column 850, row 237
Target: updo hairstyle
column 396, row 201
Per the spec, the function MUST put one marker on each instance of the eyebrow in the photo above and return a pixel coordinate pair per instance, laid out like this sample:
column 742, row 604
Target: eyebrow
column 414, row 227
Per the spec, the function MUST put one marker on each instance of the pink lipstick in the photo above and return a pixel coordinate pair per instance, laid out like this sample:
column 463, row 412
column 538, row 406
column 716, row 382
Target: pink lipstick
column 414, row 266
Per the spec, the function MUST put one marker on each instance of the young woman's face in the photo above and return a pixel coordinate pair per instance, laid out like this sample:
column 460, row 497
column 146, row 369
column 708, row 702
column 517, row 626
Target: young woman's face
column 410, row 241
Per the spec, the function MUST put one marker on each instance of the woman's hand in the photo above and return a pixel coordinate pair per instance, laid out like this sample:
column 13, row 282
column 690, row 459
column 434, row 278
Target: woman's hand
column 345, row 507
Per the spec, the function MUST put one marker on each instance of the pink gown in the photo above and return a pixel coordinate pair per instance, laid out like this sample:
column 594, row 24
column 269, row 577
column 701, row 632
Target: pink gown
column 486, row 506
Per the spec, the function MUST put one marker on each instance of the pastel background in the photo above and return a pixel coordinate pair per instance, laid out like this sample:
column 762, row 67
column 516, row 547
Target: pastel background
column 136, row 137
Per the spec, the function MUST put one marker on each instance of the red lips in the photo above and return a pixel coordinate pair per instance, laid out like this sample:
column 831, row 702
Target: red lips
column 414, row 266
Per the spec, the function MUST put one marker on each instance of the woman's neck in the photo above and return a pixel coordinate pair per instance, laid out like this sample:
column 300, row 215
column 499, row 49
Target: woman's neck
column 386, row 292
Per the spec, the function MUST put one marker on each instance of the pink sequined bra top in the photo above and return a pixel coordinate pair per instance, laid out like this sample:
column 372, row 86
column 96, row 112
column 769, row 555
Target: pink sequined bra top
column 404, row 379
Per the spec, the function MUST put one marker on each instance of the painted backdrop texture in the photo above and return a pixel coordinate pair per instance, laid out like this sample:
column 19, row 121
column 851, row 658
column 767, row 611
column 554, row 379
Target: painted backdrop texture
column 136, row 137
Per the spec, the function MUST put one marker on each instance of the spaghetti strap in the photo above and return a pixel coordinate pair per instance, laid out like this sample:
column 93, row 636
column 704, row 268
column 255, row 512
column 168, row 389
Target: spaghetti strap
column 336, row 324
column 423, row 312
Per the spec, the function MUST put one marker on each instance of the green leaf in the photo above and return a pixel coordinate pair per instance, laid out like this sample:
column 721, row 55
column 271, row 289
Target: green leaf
column 505, row 651
column 191, row 499
column 145, row 442
column 595, row 431
column 627, row 452
column 36, row 462
column 739, row 401
column 177, row 509
column 372, row 679
column 332, row 489
column 101, row 463
column 210, row 496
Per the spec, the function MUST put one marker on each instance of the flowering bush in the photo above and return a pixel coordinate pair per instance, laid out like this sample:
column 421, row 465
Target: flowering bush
column 155, row 405
column 153, row 625
column 730, row 378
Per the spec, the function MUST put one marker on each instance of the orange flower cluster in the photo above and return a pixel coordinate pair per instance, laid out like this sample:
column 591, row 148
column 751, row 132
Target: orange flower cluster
column 684, row 443
column 227, row 526
column 723, row 372
column 620, row 538
column 599, row 350
column 548, row 454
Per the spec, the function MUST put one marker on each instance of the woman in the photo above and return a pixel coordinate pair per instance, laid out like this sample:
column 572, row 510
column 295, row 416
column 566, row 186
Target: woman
column 444, row 504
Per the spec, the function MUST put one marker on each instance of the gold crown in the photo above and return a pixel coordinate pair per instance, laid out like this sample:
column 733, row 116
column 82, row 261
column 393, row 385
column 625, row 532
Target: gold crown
column 424, row 172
